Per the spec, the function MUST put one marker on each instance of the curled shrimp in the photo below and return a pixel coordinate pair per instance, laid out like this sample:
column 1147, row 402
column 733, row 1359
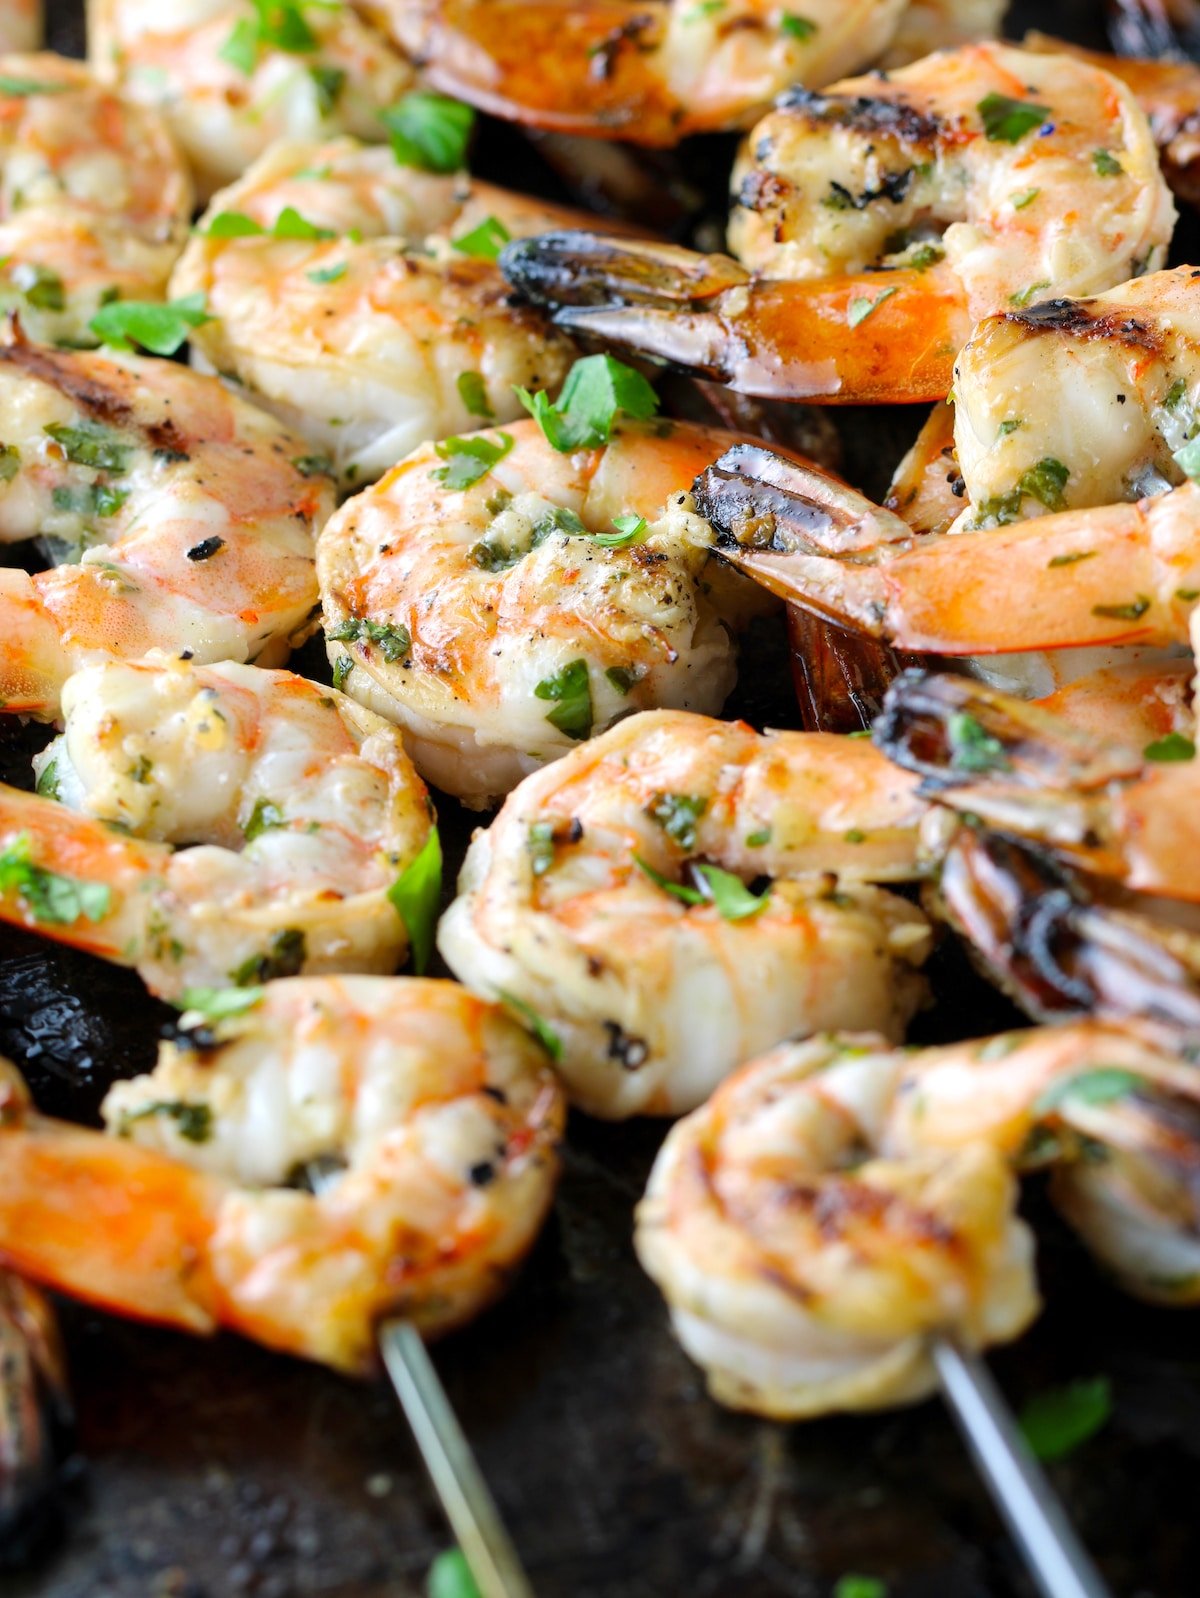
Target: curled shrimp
column 302, row 807
column 95, row 198
column 184, row 516
column 838, row 1203
column 501, row 623
column 439, row 1115
column 1118, row 813
column 1113, row 575
column 371, row 331
column 976, row 179
column 647, row 71
column 610, row 896
column 230, row 81
column 20, row 26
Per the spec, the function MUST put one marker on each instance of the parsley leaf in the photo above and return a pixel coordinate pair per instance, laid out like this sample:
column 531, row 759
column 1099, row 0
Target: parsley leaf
column 1172, row 746
column 677, row 814
column 50, row 898
column 161, row 329
column 794, row 26
column 1107, row 165
column 21, row 88
column 265, row 817
column 1057, row 1421
column 392, row 638
column 861, row 308
column 972, row 748
column 469, row 459
column 484, row 242
column 473, row 392
column 285, row 958
column 89, row 444
column 1006, row 121
column 534, row 1023
column 1103, row 1084
column 192, row 1121
column 215, row 1004
column 429, row 131
column 598, row 388
column 570, row 690
column 415, row 896
column 731, row 897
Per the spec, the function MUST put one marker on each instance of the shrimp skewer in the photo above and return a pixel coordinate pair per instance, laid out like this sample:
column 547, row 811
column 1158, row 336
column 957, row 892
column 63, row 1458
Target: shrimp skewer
column 972, row 179
column 302, row 808
column 839, row 1204
column 95, row 198
column 372, row 331
column 527, row 620
column 609, row 896
column 231, row 80
column 438, row 1110
column 185, row 517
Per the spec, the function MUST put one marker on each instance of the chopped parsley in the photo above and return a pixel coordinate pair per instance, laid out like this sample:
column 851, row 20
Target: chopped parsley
column 218, row 1004
column 161, row 329
column 1057, row 1421
column 533, row 1023
column 22, row 88
column 328, row 274
column 1007, row 121
column 469, row 459
column 598, row 389
column 415, row 896
column 392, row 639
column 861, row 307
column 289, row 224
column 265, row 817
column 677, row 814
column 484, row 242
column 192, row 1121
column 429, row 131
column 1106, row 164
column 473, row 392
column 277, row 24
column 284, row 958
column 1172, row 746
column 571, row 694
column 89, row 444
column 50, row 898
column 1133, row 611
column 41, row 288
column 794, row 26
column 1103, row 1084
column 972, row 747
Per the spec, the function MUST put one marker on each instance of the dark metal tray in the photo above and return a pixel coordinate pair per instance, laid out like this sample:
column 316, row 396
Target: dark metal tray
column 215, row 1470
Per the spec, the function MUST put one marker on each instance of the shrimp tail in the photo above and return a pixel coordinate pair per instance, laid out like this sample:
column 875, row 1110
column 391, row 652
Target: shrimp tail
column 35, row 1416
column 790, row 526
column 103, row 1219
column 1042, row 938
column 852, row 339
column 954, row 731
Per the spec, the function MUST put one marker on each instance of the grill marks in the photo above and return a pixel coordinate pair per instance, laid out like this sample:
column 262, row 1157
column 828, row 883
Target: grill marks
column 1090, row 321
column 872, row 116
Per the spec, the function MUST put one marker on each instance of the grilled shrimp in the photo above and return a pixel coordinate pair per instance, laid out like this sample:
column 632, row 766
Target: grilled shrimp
column 610, row 897
column 370, row 332
column 185, row 518
column 230, row 80
column 501, row 623
column 975, row 179
column 838, row 1202
column 439, row 1113
column 20, row 25
column 647, row 71
column 94, row 198
column 1118, row 574
column 303, row 807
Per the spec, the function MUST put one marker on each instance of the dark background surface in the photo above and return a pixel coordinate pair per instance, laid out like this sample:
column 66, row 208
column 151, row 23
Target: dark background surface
column 213, row 1470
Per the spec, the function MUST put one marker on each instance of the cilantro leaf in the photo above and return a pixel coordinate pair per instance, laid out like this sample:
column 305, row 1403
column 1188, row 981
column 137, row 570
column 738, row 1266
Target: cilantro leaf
column 473, row 392
column 1172, row 746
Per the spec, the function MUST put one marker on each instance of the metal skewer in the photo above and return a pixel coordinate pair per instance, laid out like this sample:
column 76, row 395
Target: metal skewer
column 457, row 1479
column 1056, row 1559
